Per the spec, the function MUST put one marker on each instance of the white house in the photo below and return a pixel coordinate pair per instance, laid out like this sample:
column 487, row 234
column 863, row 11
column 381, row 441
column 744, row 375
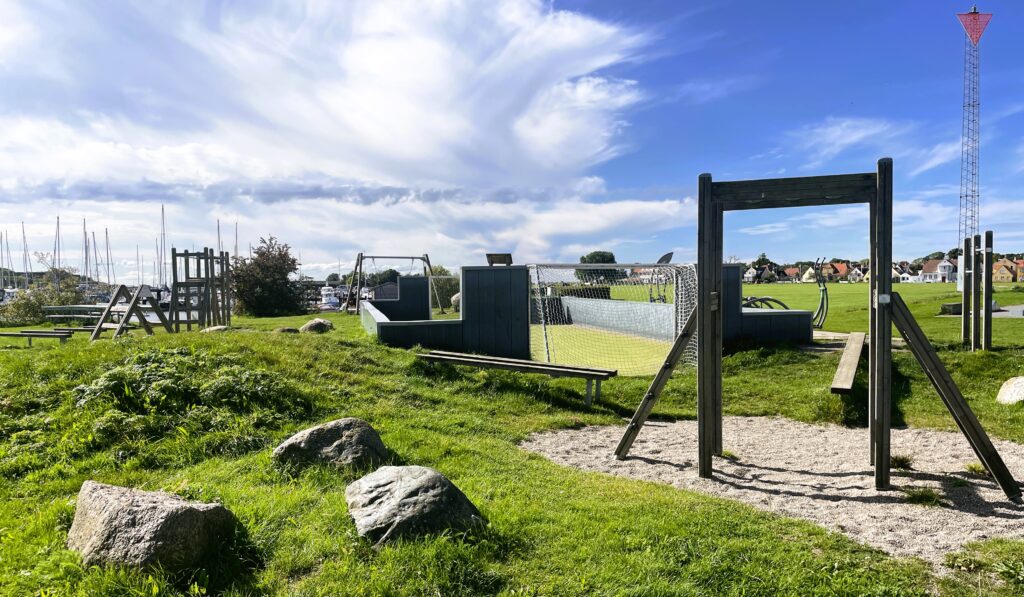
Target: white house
column 938, row 270
column 750, row 275
column 855, row 275
column 906, row 277
column 809, row 277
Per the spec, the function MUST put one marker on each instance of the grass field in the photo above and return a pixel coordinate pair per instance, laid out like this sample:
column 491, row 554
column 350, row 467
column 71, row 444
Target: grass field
column 592, row 347
column 197, row 414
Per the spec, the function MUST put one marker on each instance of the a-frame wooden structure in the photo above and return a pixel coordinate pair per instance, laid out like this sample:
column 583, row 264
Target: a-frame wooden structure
column 137, row 304
column 886, row 308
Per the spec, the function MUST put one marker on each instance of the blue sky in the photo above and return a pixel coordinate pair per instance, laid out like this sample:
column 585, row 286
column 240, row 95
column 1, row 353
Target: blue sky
column 547, row 129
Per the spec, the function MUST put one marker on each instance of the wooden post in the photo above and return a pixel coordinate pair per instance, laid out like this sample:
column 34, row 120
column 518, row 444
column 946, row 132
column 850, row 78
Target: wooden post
column 709, row 351
column 965, row 292
column 872, row 288
column 986, row 294
column 881, row 334
column 976, row 280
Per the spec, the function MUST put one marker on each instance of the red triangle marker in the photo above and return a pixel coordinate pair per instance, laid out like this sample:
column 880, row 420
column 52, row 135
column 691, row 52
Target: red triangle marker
column 974, row 23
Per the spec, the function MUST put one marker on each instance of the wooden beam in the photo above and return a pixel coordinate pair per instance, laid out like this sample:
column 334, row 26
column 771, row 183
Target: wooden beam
column 846, row 372
column 986, row 294
column 950, row 394
column 709, row 354
column 976, row 279
column 881, row 335
column 872, row 288
column 675, row 354
column 963, row 269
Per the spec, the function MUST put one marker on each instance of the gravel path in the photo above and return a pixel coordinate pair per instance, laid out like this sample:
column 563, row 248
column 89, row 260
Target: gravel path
column 819, row 473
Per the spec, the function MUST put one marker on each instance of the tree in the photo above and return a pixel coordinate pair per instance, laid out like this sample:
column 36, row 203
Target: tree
column 935, row 255
column 761, row 261
column 261, row 283
column 333, row 277
column 599, row 274
column 953, row 253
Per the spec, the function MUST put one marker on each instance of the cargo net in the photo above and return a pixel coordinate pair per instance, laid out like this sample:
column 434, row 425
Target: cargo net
column 610, row 316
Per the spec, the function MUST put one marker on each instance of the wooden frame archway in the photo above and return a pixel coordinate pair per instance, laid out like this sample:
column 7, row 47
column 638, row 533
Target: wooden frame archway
column 716, row 198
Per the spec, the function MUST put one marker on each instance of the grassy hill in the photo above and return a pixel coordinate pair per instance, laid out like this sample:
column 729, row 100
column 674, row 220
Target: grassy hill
column 197, row 414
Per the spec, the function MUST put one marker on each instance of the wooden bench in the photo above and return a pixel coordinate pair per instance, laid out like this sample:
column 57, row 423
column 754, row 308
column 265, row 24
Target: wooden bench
column 29, row 334
column 842, row 383
column 488, row 362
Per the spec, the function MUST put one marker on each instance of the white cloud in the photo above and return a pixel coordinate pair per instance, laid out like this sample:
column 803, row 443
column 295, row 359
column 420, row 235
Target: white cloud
column 834, row 135
column 16, row 31
column 766, row 229
column 436, row 94
column 937, row 155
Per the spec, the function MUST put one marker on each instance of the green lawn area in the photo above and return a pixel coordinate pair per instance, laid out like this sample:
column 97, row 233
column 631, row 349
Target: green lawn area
column 848, row 307
column 592, row 347
column 197, row 414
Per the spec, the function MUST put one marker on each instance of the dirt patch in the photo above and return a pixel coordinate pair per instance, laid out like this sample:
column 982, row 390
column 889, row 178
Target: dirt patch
column 819, row 473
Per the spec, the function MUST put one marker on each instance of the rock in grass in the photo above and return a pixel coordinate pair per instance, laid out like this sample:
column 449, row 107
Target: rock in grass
column 408, row 501
column 213, row 329
column 317, row 326
column 286, row 330
column 120, row 525
column 347, row 442
column 1012, row 391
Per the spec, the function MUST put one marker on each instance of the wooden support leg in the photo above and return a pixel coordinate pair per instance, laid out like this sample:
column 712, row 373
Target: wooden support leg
column 589, row 399
column 29, row 341
column 597, row 390
column 881, row 335
column 976, row 293
column 986, row 294
column 965, row 292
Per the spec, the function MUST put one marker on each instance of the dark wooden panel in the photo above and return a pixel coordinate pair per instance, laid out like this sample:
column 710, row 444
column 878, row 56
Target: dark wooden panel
column 520, row 316
column 724, row 188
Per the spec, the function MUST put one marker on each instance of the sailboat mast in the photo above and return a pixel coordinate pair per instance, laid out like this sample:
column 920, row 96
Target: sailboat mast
column 26, row 262
column 110, row 268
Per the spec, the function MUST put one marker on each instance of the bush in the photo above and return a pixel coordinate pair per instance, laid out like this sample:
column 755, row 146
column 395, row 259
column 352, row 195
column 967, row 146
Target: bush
column 26, row 308
column 261, row 283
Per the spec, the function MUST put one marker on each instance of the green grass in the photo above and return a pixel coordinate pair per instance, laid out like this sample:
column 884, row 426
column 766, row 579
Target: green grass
column 922, row 496
column 197, row 414
column 848, row 307
column 581, row 345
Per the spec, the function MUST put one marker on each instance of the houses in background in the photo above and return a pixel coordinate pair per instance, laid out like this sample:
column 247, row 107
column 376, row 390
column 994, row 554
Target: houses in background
column 928, row 270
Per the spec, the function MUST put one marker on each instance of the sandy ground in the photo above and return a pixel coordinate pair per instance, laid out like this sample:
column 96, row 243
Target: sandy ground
column 819, row 473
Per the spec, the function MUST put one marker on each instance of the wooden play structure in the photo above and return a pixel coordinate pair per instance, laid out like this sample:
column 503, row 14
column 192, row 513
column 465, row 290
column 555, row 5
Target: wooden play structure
column 200, row 289
column 137, row 305
column 200, row 296
column 886, row 309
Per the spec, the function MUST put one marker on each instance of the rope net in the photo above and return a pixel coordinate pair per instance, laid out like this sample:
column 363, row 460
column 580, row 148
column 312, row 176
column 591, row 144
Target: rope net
column 611, row 316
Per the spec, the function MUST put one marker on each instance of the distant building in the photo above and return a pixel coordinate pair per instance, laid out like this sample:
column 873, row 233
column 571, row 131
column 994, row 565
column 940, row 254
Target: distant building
column 1003, row 273
column 809, row 277
column 749, row 276
column 855, row 275
column 938, row 270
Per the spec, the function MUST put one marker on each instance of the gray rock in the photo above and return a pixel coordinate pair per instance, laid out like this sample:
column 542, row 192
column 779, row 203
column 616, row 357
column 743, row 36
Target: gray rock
column 456, row 301
column 317, row 326
column 214, row 329
column 287, row 330
column 407, row 501
column 121, row 525
column 1012, row 391
column 347, row 442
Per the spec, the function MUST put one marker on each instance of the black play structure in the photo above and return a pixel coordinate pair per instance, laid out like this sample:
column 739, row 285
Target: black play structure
column 886, row 309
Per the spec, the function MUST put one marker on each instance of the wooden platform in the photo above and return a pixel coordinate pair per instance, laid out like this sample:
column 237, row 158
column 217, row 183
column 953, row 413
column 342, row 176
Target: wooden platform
column 842, row 383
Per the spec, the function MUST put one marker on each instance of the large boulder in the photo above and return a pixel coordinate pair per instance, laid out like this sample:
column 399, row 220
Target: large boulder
column 408, row 501
column 347, row 442
column 1012, row 391
column 456, row 301
column 317, row 326
column 121, row 525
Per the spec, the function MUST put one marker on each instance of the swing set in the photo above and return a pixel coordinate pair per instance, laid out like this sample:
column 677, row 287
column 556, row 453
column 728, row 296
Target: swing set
column 354, row 296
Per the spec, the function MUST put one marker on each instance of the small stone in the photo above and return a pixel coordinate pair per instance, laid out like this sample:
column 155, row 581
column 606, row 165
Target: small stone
column 214, row 329
column 121, row 525
column 408, row 501
column 317, row 326
column 286, row 331
column 347, row 442
column 1012, row 391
